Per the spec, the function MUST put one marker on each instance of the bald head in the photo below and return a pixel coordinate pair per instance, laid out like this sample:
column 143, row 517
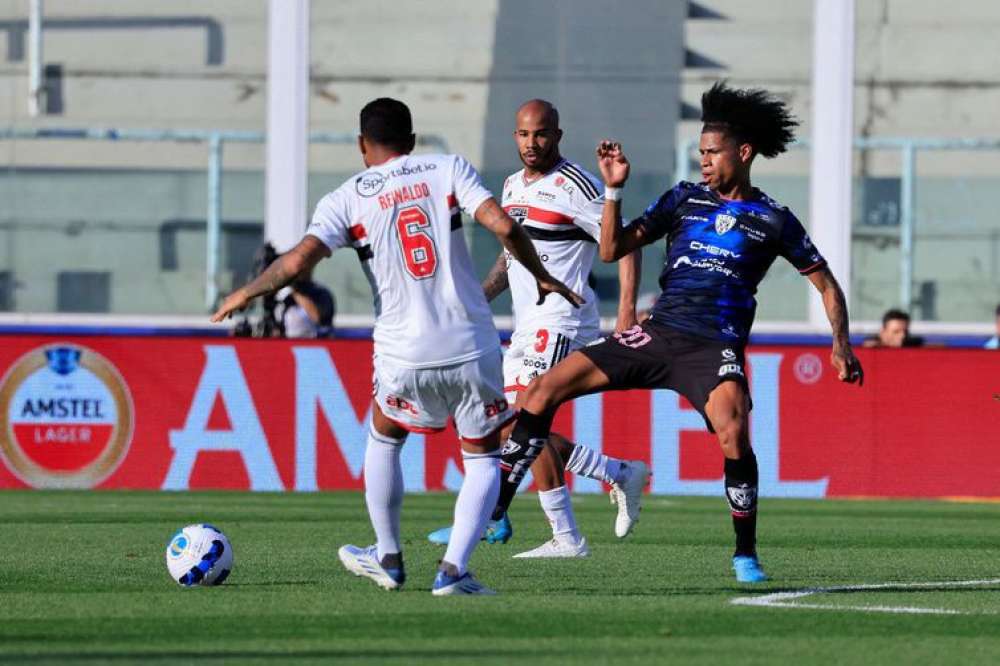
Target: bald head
column 537, row 135
column 540, row 110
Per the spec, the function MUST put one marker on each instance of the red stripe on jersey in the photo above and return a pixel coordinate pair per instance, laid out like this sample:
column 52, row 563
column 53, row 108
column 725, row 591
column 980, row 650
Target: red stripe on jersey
column 542, row 215
column 452, row 201
column 357, row 232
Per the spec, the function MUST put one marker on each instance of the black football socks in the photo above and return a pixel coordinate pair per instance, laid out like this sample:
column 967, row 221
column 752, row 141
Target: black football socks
column 519, row 452
column 741, row 493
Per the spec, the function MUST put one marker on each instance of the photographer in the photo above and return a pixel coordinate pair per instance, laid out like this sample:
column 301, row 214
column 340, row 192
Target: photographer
column 306, row 309
column 303, row 309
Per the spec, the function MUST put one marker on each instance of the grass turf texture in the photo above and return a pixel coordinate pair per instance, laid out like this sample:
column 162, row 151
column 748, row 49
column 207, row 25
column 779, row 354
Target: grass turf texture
column 83, row 580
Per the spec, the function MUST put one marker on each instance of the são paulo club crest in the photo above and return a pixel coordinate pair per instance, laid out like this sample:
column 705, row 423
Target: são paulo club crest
column 66, row 417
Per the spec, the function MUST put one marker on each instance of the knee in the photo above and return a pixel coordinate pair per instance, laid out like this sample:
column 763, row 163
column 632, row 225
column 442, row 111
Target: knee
column 540, row 396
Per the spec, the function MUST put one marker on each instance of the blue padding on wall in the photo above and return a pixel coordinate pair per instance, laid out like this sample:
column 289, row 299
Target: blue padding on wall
column 363, row 333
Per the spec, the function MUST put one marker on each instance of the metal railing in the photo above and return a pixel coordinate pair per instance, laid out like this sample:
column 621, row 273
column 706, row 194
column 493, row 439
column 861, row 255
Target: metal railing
column 215, row 140
column 908, row 148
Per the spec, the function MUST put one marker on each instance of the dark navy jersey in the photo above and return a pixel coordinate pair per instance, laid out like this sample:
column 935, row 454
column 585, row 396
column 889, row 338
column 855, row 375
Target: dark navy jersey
column 717, row 253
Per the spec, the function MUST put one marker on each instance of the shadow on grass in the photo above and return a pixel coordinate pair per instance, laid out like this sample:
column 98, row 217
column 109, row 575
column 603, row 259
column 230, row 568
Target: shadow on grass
column 275, row 583
column 671, row 591
column 235, row 656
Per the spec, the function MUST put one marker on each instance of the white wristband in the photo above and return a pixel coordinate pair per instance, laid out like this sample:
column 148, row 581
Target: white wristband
column 612, row 193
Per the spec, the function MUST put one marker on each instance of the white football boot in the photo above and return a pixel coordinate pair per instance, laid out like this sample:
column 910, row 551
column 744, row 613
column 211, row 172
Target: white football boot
column 628, row 497
column 365, row 562
column 559, row 547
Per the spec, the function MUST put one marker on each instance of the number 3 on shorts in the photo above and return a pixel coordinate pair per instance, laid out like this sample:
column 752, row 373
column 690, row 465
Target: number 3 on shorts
column 542, row 339
column 419, row 251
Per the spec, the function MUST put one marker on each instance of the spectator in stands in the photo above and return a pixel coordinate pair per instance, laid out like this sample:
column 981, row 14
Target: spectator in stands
column 307, row 309
column 895, row 332
column 994, row 342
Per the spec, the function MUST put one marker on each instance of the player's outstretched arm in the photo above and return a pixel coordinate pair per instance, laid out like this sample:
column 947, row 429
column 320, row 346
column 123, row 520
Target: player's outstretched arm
column 616, row 241
column 282, row 270
column 629, row 272
column 496, row 281
column 512, row 236
column 842, row 357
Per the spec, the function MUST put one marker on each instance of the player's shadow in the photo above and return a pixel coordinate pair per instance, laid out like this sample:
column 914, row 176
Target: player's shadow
column 236, row 656
column 273, row 583
column 666, row 591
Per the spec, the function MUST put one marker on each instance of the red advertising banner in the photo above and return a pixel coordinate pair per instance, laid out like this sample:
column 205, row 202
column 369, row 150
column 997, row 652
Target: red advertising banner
column 188, row 413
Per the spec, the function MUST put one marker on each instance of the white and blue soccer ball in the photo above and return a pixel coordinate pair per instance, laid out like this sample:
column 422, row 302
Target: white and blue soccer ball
column 199, row 555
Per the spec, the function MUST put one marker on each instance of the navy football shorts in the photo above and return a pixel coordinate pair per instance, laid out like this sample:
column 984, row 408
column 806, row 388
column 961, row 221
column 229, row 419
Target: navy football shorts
column 654, row 356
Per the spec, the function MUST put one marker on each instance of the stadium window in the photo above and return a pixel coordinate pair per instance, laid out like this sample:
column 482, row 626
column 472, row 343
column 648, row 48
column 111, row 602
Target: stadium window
column 6, row 291
column 240, row 241
column 83, row 291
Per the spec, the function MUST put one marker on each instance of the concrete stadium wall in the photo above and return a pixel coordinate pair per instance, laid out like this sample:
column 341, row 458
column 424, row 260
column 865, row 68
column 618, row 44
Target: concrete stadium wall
column 463, row 68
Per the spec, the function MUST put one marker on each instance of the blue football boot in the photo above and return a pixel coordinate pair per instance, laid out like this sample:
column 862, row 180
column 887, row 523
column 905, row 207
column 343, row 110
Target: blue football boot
column 748, row 569
column 497, row 531
column 448, row 584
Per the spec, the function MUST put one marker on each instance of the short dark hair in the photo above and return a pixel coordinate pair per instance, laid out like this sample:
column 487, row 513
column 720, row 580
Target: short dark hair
column 387, row 122
column 750, row 115
column 894, row 314
column 998, row 310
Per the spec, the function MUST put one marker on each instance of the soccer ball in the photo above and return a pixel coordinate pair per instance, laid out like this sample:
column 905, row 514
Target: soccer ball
column 199, row 555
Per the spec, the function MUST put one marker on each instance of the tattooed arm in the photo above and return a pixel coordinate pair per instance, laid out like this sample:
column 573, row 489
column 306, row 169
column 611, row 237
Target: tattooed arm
column 496, row 281
column 282, row 270
column 842, row 357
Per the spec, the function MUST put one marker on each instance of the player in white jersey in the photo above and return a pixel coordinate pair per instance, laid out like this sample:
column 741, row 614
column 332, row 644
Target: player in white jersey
column 436, row 349
column 559, row 205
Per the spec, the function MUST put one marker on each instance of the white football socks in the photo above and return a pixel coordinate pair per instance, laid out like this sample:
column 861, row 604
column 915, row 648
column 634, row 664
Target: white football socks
column 476, row 500
column 559, row 511
column 384, row 489
column 593, row 465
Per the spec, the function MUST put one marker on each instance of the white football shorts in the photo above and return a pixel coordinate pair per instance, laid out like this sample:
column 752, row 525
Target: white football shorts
column 422, row 399
column 535, row 351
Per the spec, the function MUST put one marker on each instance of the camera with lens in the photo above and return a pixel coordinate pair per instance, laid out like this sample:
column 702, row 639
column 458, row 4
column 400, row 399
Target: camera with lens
column 261, row 321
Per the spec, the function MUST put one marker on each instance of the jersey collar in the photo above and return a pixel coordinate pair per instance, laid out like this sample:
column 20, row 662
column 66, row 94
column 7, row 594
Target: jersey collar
column 555, row 167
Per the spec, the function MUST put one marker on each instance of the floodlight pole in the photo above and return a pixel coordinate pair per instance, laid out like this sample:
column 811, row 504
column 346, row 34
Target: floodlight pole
column 287, row 122
column 36, row 76
column 830, row 196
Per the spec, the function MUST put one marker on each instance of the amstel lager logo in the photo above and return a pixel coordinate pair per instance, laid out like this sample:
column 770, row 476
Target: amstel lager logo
column 66, row 417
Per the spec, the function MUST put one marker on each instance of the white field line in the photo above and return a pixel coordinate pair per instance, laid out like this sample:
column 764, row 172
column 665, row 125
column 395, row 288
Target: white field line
column 787, row 599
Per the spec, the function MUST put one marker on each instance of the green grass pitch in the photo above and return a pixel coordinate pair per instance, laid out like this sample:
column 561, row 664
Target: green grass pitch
column 83, row 581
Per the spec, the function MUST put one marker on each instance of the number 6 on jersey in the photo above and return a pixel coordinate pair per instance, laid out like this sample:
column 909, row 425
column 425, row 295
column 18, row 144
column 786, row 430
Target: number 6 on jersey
column 419, row 251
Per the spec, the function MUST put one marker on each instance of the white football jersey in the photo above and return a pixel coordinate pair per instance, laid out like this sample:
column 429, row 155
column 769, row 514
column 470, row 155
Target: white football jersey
column 561, row 213
column 403, row 219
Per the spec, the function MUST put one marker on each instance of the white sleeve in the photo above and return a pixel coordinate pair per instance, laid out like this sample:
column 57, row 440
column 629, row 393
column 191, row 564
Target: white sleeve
column 331, row 223
column 469, row 189
column 588, row 214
